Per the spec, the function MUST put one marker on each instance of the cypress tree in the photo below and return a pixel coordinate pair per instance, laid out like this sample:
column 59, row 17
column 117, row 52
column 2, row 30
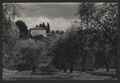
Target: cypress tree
column 48, row 28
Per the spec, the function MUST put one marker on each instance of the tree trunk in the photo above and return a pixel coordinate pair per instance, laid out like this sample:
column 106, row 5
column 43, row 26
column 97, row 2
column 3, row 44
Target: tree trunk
column 71, row 67
column 107, row 68
column 83, row 68
column 84, row 63
column 64, row 68
column 97, row 68
column 118, row 54
column 107, row 63
column 33, row 69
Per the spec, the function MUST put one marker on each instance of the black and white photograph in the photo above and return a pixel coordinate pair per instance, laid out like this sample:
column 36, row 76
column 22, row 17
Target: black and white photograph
column 60, row 41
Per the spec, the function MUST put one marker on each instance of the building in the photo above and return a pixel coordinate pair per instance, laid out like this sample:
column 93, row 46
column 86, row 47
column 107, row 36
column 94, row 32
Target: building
column 41, row 29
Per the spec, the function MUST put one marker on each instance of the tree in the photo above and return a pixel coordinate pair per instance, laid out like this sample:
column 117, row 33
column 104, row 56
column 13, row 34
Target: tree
column 101, row 16
column 10, row 10
column 65, row 51
column 57, row 31
column 31, row 51
column 52, row 31
column 40, row 25
column 22, row 27
column 62, row 32
column 10, row 33
column 58, row 56
column 48, row 28
column 43, row 25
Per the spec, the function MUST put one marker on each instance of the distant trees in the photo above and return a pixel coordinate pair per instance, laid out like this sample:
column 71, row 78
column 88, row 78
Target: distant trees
column 40, row 25
column 57, row 32
column 43, row 25
column 48, row 28
column 52, row 32
column 23, row 28
column 62, row 32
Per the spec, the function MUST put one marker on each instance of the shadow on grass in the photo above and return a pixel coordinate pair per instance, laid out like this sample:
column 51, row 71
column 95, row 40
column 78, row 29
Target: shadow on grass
column 42, row 73
column 103, row 73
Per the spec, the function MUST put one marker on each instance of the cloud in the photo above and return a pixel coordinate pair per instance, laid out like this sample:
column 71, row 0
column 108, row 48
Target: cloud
column 55, row 23
column 51, row 10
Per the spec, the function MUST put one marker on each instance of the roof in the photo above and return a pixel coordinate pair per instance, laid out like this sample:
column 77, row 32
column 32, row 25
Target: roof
column 38, row 28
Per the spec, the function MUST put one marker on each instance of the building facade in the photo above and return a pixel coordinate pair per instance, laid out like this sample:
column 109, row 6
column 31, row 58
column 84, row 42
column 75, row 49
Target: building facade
column 41, row 29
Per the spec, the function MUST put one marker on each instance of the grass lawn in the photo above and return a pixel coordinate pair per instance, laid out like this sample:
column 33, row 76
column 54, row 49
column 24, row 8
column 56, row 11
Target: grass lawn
column 76, row 75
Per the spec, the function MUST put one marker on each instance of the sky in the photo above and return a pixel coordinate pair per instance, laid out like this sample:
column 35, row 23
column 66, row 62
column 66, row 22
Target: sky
column 59, row 15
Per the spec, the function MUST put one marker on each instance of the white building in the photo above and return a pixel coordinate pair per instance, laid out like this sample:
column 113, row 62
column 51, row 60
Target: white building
column 38, row 31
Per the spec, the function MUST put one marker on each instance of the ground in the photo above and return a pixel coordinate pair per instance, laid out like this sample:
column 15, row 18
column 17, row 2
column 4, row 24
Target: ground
column 76, row 75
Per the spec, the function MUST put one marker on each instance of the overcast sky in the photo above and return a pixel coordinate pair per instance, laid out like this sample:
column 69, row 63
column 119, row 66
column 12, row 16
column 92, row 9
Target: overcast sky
column 59, row 15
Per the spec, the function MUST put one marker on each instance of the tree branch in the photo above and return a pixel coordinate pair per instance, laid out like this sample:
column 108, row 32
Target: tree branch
column 103, row 27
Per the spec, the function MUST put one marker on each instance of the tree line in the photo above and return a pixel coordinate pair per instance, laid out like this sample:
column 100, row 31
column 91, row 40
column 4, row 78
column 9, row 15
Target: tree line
column 96, row 37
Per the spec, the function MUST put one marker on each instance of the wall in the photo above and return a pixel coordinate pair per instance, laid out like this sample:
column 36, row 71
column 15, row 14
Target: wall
column 38, row 32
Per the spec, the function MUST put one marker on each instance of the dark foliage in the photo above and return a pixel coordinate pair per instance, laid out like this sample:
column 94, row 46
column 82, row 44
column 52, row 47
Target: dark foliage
column 23, row 66
column 48, row 28
column 22, row 27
